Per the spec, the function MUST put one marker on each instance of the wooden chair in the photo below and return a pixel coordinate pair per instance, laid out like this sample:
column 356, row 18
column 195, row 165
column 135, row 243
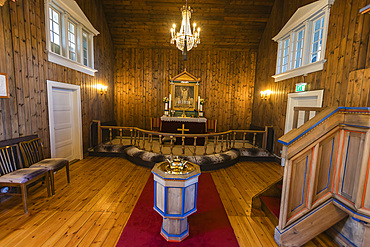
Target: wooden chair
column 34, row 158
column 211, row 126
column 155, row 124
column 15, row 176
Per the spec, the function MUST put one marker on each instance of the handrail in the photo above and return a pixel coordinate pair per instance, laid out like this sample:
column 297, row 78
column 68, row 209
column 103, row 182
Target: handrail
column 306, row 111
column 139, row 137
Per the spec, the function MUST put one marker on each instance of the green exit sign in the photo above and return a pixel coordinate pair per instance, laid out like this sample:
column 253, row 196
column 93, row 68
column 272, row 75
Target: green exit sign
column 300, row 87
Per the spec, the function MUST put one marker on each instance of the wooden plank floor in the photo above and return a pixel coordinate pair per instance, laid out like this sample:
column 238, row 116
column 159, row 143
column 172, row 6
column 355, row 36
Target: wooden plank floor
column 94, row 208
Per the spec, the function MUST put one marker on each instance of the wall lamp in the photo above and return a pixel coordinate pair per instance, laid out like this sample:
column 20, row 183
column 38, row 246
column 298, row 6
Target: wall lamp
column 102, row 89
column 2, row 2
column 266, row 94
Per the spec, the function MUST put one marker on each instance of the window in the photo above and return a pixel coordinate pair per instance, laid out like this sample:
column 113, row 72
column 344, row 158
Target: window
column 84, row 48
column 317, row 39
column 302, row 41
column 72, row 41
column 54, row 30
column 298, row 48
column 70, row 36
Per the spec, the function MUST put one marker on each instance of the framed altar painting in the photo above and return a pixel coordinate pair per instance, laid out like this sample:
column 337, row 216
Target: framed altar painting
column 184, row 91
column 185, row 96
column 4, row 86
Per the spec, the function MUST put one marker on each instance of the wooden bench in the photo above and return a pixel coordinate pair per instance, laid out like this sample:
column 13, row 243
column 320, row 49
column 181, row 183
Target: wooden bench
column 14, row 175
column 34, row 158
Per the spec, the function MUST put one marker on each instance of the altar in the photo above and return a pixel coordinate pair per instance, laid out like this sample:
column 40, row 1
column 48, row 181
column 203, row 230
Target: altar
column 186, row 125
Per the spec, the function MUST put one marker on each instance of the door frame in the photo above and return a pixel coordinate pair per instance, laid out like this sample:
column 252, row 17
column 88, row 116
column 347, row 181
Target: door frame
column 77, row 126
column 289, row 109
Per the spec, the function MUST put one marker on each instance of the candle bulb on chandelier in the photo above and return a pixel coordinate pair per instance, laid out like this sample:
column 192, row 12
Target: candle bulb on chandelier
column 194, row 25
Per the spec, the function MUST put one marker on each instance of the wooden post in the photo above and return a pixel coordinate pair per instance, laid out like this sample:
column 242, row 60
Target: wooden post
column 264, row 141
column 227, row 142
column 99, row 133
column 295, row 118
column 214, row 143
column 183, row 145
column 135, row 138
column 131, row 130
column 195, row 146
column 120, row 136
column 160, row 144
column 171, row 137
column 143, row 141
column 205, row 146
column 110, row 135
column 222, row 143
column 244, row 134
column 254, row 139
column 234, row 133
column 151, row 143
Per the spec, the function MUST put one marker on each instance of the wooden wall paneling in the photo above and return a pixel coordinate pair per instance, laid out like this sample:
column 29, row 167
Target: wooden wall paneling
column 18, row 71
column 220, row 83
column 2, row 70
column 345, row 54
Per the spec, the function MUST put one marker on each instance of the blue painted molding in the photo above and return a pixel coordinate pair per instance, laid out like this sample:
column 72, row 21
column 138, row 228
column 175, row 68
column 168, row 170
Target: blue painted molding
column 175, row 178
column 176, row 235
column 329, row 115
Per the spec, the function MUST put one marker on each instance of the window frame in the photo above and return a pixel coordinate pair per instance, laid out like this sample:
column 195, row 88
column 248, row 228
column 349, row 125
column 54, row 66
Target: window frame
column 70, row 12
column 303, row 19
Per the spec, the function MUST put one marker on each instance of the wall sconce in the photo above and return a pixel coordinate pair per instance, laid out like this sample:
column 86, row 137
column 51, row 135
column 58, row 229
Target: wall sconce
column 102, row 89
column 266, row 94
column 2, row 2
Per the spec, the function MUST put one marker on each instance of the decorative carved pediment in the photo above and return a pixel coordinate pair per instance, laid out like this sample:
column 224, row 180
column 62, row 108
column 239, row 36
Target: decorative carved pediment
column 185, row 76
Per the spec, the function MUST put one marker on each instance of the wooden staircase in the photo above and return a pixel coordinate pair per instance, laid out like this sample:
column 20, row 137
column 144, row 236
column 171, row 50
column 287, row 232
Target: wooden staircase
column 325, row 176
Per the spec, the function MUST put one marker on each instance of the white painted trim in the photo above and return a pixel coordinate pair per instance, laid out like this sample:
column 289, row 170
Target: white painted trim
column 77, row 115
column 301, row 15
column 75, row 11
column 290, row 113
column 305, row 69
column 58, row 59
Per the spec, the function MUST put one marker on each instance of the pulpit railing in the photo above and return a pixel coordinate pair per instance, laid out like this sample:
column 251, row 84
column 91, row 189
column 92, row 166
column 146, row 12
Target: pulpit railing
column 144, row 139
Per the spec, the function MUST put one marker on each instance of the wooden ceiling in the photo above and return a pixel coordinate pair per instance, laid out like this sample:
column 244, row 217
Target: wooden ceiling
column 224, row 24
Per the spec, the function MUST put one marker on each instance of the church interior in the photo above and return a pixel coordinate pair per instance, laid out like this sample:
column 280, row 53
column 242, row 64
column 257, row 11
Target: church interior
column 270, row 98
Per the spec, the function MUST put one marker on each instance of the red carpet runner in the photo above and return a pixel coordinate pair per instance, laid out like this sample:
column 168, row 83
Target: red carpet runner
column 209, row 226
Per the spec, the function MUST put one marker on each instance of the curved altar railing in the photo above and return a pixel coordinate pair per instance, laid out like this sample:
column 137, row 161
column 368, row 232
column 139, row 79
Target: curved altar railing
column 139, row 138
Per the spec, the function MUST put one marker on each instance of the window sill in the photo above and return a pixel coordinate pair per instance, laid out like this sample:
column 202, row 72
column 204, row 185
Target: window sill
column 305, row 69
column 58, row 59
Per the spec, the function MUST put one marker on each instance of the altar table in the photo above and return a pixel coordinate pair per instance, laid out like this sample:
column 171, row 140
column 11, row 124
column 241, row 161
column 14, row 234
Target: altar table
column 195, row 126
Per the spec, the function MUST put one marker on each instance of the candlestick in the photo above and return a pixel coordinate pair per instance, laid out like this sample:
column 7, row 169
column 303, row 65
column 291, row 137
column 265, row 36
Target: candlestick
column 170, row 101
column 198, row 103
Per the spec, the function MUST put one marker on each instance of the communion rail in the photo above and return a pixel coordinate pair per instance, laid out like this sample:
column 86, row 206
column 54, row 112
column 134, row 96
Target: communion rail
column 139, row 138
column 326, row 173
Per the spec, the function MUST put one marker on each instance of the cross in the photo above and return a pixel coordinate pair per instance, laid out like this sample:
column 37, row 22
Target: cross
column 183, row 129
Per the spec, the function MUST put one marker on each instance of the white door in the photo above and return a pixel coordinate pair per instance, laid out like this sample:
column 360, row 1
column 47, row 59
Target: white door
column 63, row 123
column 303, row 99
column 65, row 120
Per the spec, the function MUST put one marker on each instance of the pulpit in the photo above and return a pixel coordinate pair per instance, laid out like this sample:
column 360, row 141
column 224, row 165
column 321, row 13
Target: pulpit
column 187, row 125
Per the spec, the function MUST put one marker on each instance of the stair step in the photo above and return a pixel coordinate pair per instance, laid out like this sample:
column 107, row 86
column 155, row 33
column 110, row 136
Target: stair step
column 280, row 186
column 273, row 204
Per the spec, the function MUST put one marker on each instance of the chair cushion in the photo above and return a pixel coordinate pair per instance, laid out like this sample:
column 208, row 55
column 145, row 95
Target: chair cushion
column 22, row 175
column 53, row 164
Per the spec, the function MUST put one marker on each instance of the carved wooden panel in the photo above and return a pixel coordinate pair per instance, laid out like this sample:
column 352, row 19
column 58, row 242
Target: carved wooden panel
column 327, row 155
column 301, row 169
column 350, row 164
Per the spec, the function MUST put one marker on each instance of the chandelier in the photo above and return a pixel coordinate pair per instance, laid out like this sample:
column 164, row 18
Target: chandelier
column 185, row 39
